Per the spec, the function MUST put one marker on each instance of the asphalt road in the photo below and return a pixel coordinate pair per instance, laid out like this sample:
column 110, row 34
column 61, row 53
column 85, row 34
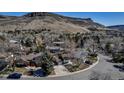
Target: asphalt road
column 102, row 67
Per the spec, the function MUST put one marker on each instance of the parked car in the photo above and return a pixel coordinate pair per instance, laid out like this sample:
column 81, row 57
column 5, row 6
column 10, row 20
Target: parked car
column 14, row 76
column 39, row 73
column 88, row 62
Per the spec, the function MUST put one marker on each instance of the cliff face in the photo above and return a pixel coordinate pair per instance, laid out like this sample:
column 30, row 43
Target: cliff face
column 40, row 20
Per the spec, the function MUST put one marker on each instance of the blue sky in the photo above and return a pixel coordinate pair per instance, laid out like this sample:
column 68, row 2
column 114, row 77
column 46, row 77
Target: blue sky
column 106, row 18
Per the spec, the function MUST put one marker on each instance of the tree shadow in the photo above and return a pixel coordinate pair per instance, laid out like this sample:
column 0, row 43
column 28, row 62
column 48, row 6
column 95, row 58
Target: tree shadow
column 119, row 67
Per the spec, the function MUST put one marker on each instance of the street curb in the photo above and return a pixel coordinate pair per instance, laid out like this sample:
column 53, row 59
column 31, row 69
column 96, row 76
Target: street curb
column 72, row 73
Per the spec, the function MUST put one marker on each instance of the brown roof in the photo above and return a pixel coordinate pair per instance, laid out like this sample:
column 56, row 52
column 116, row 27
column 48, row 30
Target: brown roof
column 30, row 56
column 3, row 55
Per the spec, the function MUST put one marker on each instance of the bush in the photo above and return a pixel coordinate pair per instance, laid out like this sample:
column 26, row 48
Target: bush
column 118, row 58
column 2, row 38
column 28, row 42
column 93, row 55
column 108, row 47
column 71, row 68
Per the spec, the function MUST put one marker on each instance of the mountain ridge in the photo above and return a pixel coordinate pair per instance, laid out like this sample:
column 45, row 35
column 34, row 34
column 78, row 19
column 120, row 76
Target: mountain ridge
column 117, row 27
column 39, row 20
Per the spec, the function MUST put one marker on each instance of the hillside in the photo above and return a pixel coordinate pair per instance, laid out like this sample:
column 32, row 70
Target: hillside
column 117, row 27
column 45, row 20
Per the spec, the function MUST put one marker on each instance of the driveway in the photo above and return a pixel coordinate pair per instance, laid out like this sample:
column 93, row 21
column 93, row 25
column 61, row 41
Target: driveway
column 60, row 70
